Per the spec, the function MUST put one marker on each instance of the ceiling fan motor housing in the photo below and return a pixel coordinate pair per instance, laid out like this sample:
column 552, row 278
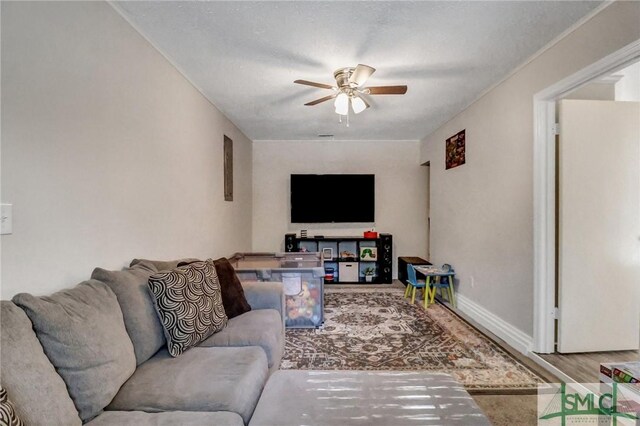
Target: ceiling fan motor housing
column 342, row 78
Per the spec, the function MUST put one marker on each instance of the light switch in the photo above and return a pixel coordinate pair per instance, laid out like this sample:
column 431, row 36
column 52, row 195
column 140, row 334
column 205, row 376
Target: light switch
column 6, row 219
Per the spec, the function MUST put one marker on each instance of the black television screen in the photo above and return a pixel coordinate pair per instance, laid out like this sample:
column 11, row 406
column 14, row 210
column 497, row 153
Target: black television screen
column 332, row 198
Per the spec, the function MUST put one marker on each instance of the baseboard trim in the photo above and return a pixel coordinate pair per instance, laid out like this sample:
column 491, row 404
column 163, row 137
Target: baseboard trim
column 559, row 374
column 513, row 336
column 550, row 368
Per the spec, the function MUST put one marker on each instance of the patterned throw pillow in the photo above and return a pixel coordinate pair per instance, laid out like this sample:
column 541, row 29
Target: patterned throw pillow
column 189, row 304
column 233, row 298
column 8, row 416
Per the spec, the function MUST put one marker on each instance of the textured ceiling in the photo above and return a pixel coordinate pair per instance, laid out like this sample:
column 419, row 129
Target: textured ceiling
column 244, row 57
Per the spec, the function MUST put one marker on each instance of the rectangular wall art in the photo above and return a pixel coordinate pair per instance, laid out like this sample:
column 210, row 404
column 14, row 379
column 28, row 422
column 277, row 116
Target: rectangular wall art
column 228, row 169
column 455, row 150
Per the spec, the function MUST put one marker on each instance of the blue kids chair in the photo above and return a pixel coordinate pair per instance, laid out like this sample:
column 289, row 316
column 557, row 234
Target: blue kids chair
column 413, row 284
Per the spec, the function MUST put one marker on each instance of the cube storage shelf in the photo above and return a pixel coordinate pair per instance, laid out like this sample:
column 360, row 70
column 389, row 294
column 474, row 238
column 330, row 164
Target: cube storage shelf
column 349, row 257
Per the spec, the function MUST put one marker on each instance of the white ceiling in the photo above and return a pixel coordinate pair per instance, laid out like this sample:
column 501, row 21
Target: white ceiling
column 244, row 57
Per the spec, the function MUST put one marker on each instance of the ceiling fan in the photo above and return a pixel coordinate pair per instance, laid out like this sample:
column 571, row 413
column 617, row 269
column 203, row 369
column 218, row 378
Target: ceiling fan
column 349, row 88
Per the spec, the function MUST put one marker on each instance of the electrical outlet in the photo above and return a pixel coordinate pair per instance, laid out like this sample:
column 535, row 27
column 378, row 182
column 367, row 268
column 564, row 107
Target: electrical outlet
column 6, row 219
column 473, row 281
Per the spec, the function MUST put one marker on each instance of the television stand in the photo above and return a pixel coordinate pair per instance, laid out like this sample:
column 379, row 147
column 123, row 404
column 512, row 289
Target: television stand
column 351, row 258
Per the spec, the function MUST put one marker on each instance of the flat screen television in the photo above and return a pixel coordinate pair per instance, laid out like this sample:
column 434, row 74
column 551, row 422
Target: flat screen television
column 332, row 198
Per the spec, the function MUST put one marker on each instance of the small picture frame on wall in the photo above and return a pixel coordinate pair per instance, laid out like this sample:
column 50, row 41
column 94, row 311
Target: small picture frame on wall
column 327, row 253
column 455, row 150
column 228, row 168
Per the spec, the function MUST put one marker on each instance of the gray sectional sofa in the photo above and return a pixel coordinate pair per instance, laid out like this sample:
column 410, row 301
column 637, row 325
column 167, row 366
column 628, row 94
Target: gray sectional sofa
column 96, row 354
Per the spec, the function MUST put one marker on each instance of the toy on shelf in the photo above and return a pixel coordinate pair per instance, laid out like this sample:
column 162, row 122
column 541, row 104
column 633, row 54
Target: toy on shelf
column 346, row 254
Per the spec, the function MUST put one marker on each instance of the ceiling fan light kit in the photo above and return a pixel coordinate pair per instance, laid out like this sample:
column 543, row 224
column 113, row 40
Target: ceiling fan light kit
column 358, row 104
column 348, row 89
column 342, row 104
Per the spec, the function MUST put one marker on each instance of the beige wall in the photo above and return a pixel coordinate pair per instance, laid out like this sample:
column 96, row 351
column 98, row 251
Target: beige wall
column 482, row 212
column 401, row 188
column 108, row 153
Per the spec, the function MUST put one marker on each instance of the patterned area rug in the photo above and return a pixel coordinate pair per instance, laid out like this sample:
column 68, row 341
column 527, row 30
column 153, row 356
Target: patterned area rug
column 380, row 330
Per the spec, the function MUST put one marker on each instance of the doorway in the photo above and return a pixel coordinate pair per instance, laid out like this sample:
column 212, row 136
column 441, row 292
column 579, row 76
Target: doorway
column 595, row 86
column 427, row 165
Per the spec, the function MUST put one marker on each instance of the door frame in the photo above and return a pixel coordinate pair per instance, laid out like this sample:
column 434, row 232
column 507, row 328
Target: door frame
column 544, row 195
column 427, row 165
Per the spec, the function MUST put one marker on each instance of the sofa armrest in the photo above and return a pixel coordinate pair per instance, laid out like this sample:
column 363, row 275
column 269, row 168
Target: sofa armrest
column 265, row 295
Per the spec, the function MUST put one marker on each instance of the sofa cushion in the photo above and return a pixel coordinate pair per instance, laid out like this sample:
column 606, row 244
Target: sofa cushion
column 189, row 304
column 233, row 299
column 261, row 327
column 37, row 391
column 265, row 295
column 140, row 317
column 8, row 414
column 83, row 334
column 201, row 379
column 172, row 418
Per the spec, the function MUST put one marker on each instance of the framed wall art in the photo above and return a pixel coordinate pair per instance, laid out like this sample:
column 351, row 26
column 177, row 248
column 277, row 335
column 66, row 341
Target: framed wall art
column 455, row 150
column 228, row 168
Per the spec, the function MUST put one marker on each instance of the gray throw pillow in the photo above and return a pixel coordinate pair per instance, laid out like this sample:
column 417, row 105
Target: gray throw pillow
column 8, row 415
column 140, row 318
column 189, row 304
column 83, row 334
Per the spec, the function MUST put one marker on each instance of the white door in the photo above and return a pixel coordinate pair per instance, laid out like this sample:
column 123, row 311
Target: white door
column 599, row 226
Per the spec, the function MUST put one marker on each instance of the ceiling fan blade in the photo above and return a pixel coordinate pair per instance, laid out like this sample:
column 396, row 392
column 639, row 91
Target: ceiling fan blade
column 361, row 74
column 317, row 101
column 386, row 90
column 311, row 83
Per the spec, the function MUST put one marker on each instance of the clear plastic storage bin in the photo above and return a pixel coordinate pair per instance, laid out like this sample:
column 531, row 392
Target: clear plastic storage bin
column 302, row 275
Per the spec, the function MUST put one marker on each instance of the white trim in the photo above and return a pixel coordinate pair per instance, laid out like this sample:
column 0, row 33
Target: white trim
column 550, row 368
column 609, row 64
column 336, row 140
column 544, row 257
column 513, row 336
column 544, row 188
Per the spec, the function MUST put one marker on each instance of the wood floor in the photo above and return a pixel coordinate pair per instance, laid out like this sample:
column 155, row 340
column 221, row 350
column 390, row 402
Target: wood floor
column 585, row 367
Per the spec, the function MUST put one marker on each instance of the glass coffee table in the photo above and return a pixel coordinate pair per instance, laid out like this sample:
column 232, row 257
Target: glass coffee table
column 398, row 398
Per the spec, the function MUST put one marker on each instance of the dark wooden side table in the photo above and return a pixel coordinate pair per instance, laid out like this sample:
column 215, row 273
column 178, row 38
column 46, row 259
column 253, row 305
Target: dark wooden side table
column 402, row 266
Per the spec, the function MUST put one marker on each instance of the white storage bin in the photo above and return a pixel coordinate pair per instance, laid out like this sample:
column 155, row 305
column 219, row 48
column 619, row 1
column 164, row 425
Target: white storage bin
column 348, row 272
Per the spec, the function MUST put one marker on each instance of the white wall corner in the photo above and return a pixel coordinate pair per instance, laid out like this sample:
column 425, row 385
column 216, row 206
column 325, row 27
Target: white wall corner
column 513, row 336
